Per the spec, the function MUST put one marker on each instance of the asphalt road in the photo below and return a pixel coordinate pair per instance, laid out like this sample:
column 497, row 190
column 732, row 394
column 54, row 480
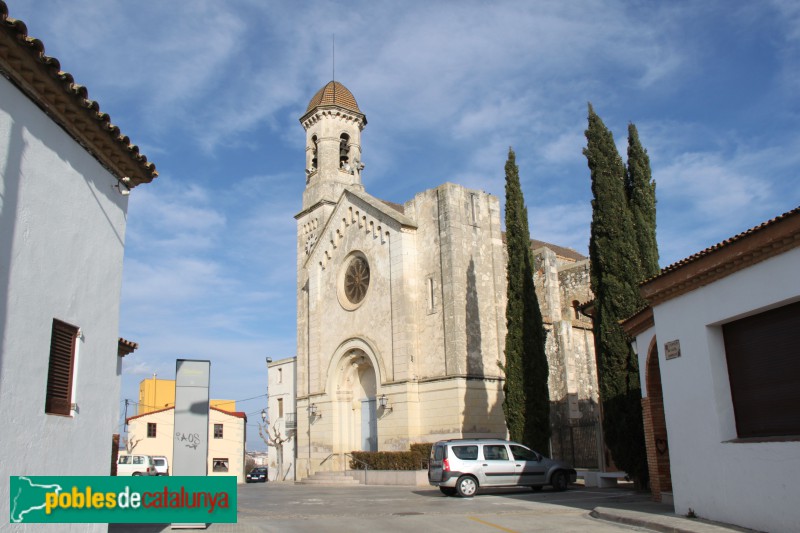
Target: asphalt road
column 284, row 507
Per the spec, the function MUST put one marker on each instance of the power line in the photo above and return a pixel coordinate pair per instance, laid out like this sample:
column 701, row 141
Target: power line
column 216, row 404
column 245, row 400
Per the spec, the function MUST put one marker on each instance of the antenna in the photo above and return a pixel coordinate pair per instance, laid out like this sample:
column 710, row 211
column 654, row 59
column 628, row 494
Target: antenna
column 333, row 57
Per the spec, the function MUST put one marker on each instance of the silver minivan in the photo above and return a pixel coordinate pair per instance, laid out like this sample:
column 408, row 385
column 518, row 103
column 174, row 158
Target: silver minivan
column 460, row 466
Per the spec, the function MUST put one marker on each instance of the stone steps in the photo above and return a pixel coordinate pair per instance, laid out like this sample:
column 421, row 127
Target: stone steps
column 329, row 478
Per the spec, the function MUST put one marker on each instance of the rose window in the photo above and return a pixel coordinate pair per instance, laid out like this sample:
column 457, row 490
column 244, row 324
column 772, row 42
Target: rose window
column 356, row 280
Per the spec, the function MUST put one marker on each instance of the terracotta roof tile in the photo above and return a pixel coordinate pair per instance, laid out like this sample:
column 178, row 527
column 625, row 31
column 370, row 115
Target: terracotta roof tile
column 23, row 61
column 561, row 251
column 757, row 244
column 334, row 93
column 125, row 347
column 237, row 414
column 727, row 242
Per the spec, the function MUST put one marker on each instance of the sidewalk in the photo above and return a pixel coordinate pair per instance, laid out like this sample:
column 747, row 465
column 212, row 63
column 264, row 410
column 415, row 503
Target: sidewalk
column 661, row 519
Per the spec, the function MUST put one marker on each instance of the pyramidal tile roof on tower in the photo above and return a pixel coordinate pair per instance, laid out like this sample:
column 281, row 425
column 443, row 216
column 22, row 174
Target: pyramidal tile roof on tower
column 334, row 93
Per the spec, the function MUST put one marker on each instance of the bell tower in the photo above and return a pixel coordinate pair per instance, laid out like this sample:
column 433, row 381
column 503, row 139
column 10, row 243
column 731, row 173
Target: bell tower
column 333, row 124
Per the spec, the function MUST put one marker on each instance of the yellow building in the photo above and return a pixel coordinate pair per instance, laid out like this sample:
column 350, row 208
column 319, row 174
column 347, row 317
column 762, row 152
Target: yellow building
column 156, row 394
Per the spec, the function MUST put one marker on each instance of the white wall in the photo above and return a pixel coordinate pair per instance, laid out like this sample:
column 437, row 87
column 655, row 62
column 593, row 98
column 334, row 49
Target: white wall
column 744, row 483
column 62, row 231
column 282, row 385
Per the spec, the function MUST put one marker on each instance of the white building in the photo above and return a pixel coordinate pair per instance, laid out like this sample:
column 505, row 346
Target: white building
column 152, row 433
column 720, row 371
column 282, row 419
column 66, row 172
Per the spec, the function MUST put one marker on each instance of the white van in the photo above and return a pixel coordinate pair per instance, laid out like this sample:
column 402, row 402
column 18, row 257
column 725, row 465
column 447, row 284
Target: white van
column 161, row 464
column 136, row 465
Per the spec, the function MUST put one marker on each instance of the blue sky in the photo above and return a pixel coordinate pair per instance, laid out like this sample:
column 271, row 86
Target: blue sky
column 212, row 92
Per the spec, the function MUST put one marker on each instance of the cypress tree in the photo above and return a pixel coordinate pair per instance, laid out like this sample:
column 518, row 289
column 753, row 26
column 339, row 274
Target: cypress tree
column 641, row 192
column 615, row 273
column 527, row 399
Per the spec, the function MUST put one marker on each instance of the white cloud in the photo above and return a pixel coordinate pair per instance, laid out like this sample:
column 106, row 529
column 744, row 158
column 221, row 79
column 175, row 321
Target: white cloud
column 565, row 147
column 562, row 224
column 136, row 368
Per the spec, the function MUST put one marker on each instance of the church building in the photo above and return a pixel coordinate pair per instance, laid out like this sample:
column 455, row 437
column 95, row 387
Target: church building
column 400, row 308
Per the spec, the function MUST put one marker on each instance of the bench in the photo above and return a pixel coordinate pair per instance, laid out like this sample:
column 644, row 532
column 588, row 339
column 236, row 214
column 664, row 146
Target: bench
column 593, row 478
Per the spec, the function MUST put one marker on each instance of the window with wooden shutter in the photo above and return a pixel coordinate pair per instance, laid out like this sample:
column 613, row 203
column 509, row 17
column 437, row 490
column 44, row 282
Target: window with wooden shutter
column 60, row 370
column 764, row 372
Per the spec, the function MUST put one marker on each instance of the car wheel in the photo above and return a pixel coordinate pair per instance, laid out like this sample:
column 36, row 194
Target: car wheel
column 559, row 481
column 448, row 491
column 136, row 474
column 467, row 486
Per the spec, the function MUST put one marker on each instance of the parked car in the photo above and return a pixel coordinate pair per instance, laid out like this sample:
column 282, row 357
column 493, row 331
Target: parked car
column 161, row 464
column 136, row 465
column 258, row 474
column 461, row 466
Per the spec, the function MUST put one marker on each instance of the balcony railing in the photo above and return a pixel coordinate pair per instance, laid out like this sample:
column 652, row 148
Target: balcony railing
column 291, row 421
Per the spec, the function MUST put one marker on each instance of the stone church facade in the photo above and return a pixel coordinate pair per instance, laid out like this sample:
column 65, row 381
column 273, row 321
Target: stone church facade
column 401, row 308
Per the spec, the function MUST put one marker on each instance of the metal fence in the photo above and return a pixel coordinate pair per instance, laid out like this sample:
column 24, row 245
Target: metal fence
column 578, row 444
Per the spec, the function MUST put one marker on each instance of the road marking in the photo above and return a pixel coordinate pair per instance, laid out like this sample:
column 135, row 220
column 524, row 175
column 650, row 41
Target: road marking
column 501, row 528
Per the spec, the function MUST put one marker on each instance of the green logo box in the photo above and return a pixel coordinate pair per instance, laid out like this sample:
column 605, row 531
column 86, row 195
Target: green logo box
column 122, row 500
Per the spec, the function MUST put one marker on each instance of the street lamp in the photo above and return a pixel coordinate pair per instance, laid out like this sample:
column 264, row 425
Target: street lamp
column 264, row 415
column 312, row 410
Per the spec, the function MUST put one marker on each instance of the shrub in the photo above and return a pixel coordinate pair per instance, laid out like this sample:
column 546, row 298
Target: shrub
column 415, row 459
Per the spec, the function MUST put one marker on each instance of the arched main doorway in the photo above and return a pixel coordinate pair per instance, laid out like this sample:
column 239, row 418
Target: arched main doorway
column 355, row 401
column 657, row 439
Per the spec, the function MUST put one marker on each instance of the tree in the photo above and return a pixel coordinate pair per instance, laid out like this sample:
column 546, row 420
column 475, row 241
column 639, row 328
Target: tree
column 272, row 437
column 527, row 400
column 615, row 274
column 249, row 464
column 130, row 443
column 640, row 190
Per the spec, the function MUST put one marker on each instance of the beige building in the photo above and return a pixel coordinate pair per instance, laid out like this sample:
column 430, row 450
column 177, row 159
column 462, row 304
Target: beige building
column 401, row 308
column 153, row 433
